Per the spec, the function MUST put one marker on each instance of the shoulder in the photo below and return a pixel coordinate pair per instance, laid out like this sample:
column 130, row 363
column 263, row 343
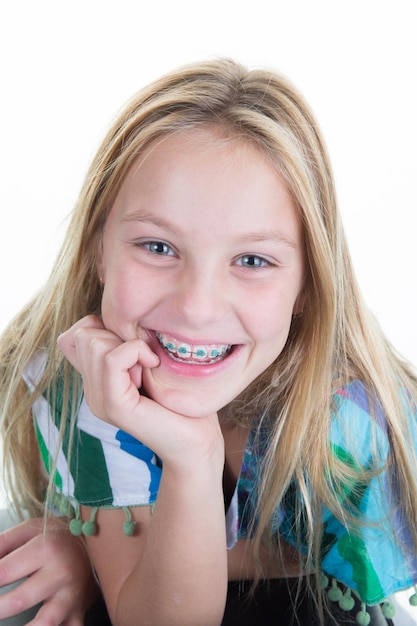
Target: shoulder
column 34, row 370
column 359, row 423
column 92, row 462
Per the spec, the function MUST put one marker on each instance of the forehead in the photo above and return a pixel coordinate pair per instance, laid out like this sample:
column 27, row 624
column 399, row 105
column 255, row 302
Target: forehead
column 215, row 151
column 201, row 141
column 200, row 183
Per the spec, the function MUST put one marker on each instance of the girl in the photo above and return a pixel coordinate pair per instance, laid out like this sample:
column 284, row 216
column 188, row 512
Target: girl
column 216, row 409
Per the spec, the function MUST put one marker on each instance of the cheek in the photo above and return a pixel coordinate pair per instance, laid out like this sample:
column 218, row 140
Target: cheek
column 128, row 299
column 271, row 319
column 117, row 303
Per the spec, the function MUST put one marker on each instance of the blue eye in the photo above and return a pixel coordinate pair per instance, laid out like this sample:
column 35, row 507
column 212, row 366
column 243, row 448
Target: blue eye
column 158, row 247
column 252, row 261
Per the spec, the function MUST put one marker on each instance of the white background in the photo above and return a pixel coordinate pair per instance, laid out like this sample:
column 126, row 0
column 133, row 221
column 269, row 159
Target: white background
column 67, row 68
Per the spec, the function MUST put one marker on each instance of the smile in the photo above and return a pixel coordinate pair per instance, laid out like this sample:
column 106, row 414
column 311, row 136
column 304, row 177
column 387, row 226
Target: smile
column 198, row 354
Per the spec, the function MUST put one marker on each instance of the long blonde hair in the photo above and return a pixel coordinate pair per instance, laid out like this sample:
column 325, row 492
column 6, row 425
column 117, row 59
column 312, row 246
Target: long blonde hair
column 335, row 336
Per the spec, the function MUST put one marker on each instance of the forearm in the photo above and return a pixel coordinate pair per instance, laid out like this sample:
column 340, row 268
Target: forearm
column 174, row 570
column 181, row 577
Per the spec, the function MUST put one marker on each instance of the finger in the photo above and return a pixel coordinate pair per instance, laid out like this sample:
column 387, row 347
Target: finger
column 28, row 550
column 17, row 600
column 23, row 551
column 17, row 565
column 122, row 374
column 40, row 586
column 112, row 372
column 54, row 613
column 86, row 347
column 66, row 341
column 18, row 535
column 74, row 621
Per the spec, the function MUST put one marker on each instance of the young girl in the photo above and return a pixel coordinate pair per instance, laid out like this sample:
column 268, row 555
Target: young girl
column 217, row 411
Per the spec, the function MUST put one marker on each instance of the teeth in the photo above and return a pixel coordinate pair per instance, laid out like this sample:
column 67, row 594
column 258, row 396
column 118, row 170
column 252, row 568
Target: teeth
column 199, row 353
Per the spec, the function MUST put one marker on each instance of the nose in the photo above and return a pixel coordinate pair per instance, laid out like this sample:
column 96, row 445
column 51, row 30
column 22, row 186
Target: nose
column 202, row 297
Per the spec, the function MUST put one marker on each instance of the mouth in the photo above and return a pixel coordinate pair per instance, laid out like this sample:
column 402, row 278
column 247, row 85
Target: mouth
column 201, row 354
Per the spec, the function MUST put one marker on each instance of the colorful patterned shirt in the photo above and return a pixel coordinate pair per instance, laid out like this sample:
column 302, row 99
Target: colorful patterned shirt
column 110, row 468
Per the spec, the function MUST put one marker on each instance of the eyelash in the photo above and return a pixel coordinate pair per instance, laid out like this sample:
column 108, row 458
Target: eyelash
column 260, row 263
column 152, row 246
column 256, row 261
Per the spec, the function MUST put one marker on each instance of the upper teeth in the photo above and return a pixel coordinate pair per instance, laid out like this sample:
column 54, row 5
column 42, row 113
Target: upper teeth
column 184, row 350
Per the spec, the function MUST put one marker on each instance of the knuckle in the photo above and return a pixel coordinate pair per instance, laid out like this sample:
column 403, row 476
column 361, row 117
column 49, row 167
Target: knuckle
column 19, row 601
column 110, row 360
column 48, row 620
column 53, row 550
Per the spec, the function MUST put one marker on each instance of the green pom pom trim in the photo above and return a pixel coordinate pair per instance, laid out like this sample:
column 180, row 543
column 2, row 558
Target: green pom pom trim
column 363, row 618
column 388, row 609
column 334, row 594
column 347, row 603
column 129, row 528
column 324, row 581
column 413, row 599
column 129, row 524
column 89, row 529
column 76, row 526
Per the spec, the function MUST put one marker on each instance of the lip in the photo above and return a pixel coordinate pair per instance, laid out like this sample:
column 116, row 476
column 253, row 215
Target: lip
column 192, row 369
column 184, row 339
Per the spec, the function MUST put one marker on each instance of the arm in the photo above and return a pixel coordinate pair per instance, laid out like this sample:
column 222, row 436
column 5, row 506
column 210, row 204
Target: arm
column 174, row 571
column 58, row 570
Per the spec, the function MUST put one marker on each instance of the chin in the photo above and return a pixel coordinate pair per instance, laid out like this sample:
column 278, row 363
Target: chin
column 184, row 400
column 198, row 397
column 187, row 405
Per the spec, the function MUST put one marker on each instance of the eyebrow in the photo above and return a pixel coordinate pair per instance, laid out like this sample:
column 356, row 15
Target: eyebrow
column 275, row 236
column 161, row 222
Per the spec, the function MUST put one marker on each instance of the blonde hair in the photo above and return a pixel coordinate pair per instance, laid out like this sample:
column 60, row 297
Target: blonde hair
column 335, row 337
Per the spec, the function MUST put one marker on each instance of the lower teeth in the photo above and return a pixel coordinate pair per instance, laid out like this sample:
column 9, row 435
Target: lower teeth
column 193, row 361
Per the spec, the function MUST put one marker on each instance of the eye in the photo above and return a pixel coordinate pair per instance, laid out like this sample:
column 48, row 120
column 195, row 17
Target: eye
column 252, row 261
column 159, row 248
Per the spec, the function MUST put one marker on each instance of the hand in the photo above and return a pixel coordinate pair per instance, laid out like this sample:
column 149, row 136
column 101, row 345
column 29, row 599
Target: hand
column 57, row 568
column 112, row 376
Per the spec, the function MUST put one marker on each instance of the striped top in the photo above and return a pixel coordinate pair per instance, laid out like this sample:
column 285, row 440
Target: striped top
column 110, row 468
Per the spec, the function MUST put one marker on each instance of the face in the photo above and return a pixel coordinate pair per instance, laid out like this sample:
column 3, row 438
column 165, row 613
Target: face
column 202, row 257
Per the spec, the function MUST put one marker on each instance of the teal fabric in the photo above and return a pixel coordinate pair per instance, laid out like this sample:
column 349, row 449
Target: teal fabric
column 376, row 559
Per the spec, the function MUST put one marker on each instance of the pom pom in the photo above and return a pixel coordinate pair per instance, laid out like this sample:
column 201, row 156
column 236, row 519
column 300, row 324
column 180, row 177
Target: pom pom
column 76, row 526
column 347, row 603
column 334, row 594
column 413, row 600
column 129, row 524
column 324, row 581
column 89, row 528
column 129, row 528
column 388, row 610
column 363, row 618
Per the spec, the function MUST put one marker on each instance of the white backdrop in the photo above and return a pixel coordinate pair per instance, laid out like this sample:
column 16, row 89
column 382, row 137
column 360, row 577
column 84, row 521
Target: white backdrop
column 67, row 68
